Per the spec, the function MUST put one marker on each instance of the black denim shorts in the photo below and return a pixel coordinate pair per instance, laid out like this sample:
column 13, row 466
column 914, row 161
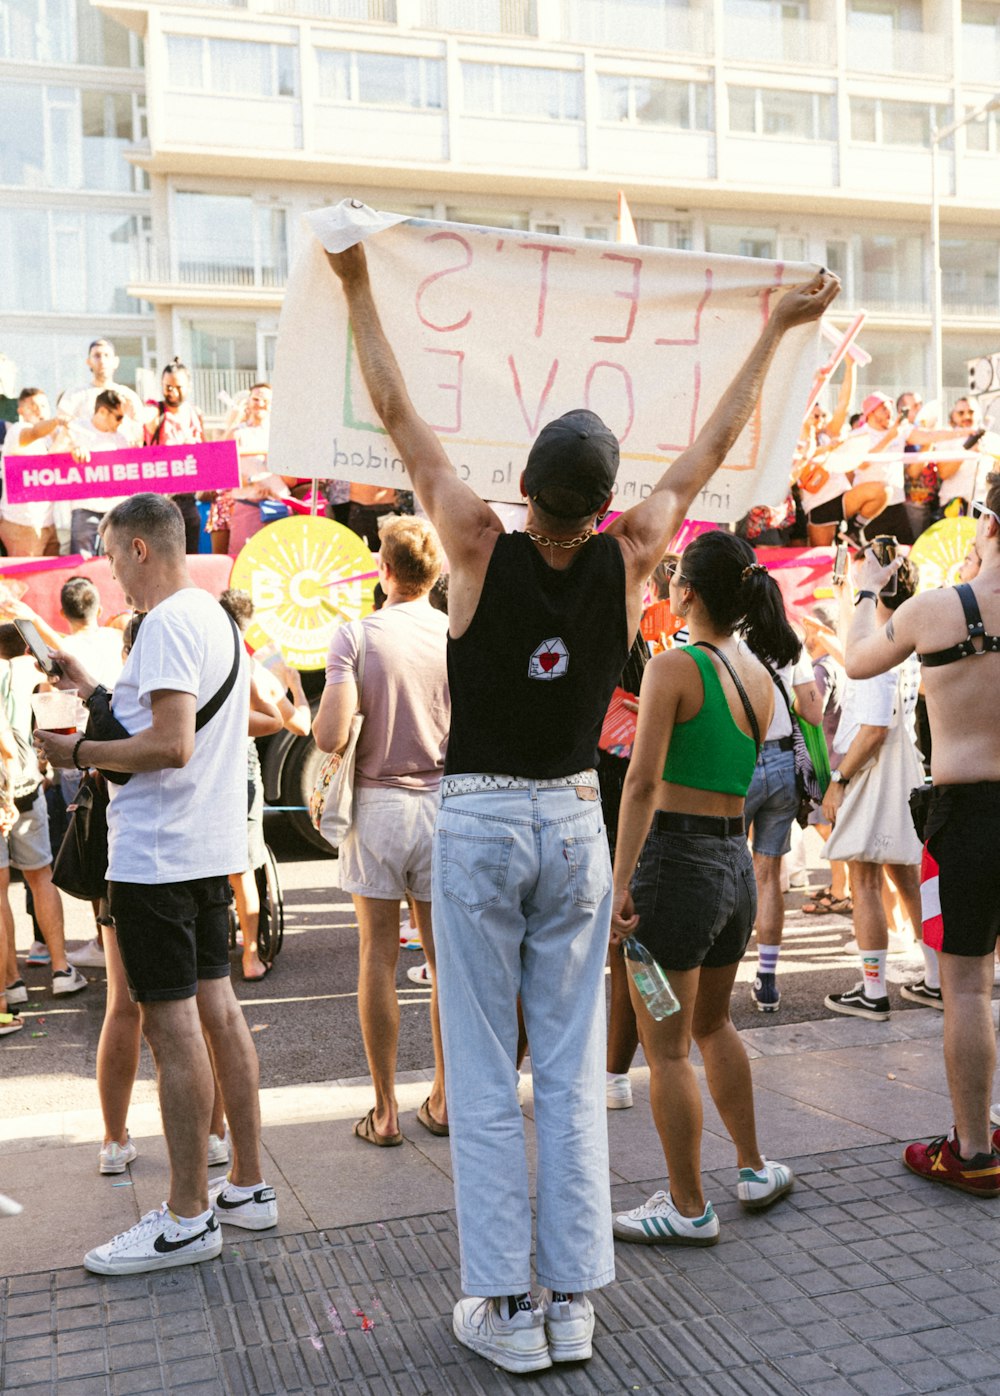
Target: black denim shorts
column 171, row 934
column 695, row 895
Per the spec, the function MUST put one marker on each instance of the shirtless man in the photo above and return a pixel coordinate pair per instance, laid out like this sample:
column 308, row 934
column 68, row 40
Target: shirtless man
column 960, row 876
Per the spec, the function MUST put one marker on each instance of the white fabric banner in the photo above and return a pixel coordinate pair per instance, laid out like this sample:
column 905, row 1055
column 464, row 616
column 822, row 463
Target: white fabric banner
column 497, row 332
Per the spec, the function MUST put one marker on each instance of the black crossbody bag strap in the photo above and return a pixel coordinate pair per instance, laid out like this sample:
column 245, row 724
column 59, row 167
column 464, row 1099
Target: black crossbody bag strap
column 214, row 703
column 747, row 705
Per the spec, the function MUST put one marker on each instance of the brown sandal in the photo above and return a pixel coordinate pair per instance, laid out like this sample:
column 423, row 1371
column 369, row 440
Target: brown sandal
column 820, row 903
column 366, row 1131
column 428, row 1121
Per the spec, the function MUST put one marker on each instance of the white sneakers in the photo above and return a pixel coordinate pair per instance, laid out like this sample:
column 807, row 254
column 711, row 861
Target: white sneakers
column 254, row 1209
column 17, row 992
column 218, row 1150
column 67, row 981
column 658, row 1223
column 619, row 1091
column 89, row 956
column 535, row 1335
column 419, row 974
column 115, row 1157
column 759, row 1190
column 158, row 1241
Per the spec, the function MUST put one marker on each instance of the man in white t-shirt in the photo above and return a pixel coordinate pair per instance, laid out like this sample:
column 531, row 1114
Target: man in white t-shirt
column 28, row 530
column 176, row 831
column 402, row 678
column 888, row 433
column 103, row 432
column 78, row 404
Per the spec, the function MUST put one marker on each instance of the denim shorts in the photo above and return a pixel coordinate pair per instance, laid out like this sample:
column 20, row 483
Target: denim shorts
column 695, row 895
column 171, row 934
column 772, row 801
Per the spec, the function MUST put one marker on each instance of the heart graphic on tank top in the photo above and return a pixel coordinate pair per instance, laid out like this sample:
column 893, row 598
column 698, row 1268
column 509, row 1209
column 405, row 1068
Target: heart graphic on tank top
column 550, row 660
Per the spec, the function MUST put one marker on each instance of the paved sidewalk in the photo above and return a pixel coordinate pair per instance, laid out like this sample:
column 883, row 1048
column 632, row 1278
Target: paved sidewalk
column 866, row 1280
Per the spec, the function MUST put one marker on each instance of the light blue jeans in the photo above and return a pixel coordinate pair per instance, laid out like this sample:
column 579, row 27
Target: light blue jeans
column 522, row 905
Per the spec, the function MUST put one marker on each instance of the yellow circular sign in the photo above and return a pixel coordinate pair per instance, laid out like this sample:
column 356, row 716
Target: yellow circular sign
column 940, row 550
column 306, row 577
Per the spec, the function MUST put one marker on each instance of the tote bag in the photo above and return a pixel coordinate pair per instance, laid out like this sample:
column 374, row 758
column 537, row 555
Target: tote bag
column 331, row 806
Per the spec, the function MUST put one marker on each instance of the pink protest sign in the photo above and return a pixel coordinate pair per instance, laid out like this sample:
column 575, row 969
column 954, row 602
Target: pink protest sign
column 155, row 469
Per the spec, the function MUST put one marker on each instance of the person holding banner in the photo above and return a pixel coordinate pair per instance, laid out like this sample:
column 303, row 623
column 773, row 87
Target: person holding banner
column 540, row 624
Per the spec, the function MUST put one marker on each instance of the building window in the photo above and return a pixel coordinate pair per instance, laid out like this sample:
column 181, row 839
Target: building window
column 984, row 134
column 68, row 262
column 65, row 137
column 970, row 273
column 679, row 106
column 764, row 111
column 885, row 122
column 664, row 232
column 233, row 67
column 380, row 79
column 230, row 239
column 500, row 89
column 593, row 233
column 61, row 31
column 733, row 240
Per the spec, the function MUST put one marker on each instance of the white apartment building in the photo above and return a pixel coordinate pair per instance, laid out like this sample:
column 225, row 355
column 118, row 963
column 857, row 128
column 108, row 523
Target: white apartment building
column 778, row 128
column 72, row 101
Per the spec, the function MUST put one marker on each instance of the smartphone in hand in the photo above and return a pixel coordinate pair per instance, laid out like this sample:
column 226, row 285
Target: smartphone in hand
column 28, row 632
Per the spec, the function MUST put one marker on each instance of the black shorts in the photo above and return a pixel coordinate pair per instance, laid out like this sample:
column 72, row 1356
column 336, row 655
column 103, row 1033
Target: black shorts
column 830, row 512
column 894, row 521
column 171, row 934
column 695, row 895
column 960, row 876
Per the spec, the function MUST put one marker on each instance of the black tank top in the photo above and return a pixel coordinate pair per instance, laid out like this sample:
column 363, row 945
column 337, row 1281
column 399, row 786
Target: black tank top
column 532, row 676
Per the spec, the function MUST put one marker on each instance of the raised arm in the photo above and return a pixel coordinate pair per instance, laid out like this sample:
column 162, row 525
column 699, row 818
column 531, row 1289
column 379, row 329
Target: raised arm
column 467, row 526
column 836, row 423
column 646, row 529
column 873, row 649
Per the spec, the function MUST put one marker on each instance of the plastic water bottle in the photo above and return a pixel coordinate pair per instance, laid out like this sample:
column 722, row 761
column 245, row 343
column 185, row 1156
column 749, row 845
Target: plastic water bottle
column 653, row 985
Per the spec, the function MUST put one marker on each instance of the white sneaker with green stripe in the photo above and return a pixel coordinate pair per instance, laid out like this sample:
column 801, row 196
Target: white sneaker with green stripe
column 658, row 1223
column 757, row 1190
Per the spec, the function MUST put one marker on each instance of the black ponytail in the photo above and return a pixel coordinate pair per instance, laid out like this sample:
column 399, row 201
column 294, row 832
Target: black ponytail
column 738, row 592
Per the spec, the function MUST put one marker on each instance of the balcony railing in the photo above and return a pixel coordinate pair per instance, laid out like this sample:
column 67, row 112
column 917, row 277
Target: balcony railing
column 901, row 51
column 621, row 24
column 378, row 11
column 208, row 384
column 804, row 41
column 516, row 17
column 197, row 269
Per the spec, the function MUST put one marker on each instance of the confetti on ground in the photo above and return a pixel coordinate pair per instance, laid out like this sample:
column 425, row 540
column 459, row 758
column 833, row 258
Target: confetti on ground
column 121, row 1185
column 339, row 1331
column 39, row 1034
column 367, row 1324
column 260, row 1027
column 890, row 1076
column 32, row 1005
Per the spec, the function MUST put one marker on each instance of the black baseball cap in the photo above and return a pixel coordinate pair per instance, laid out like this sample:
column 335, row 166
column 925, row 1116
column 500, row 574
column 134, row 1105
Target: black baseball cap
column 577, row 455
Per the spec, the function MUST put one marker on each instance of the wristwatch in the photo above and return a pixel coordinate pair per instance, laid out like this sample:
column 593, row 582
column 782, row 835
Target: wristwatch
column 838, row 778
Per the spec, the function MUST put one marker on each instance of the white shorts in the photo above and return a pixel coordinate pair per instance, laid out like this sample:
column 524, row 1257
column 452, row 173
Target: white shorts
column 27, row 845
column 387, row 851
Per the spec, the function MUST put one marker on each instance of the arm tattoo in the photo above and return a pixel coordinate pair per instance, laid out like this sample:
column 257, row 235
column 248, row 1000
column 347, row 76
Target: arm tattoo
column 890, row 634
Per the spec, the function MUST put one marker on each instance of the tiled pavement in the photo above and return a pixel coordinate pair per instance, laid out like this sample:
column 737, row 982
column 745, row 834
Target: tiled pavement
column 865, row 1280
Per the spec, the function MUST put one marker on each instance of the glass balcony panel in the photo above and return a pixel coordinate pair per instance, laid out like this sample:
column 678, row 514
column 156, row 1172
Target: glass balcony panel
column 778, row 40
column 896, row 51
column 480, row 16
column 650, row 25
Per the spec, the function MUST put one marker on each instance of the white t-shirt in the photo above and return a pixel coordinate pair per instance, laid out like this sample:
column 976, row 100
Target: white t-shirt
column 86, row 436
column 79, row 404
column 29, row 515
column 99, row 651
column 892, row 472
column 867, row 703
column 790, row 675
column 176, row 825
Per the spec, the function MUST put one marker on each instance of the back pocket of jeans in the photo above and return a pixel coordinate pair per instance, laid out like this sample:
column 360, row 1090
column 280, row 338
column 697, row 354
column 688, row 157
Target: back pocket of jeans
column 589, row 868
column 474, row 867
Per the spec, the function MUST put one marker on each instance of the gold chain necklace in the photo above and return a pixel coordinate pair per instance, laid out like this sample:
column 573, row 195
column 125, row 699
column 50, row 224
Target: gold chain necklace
column 544, row 542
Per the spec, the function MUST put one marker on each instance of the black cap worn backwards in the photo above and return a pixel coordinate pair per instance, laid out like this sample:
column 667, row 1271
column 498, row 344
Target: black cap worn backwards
column 572, row 466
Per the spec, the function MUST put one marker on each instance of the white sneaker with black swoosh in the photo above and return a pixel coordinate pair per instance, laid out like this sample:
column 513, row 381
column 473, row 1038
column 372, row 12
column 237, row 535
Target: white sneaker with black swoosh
column 254, row 1208
column 158, row 1241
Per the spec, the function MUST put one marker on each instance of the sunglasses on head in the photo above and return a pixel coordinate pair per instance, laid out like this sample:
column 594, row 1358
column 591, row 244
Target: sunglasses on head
column 978, row 507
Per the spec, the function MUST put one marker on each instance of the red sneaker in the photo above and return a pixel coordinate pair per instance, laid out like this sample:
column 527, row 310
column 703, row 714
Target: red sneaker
column 940, row 1162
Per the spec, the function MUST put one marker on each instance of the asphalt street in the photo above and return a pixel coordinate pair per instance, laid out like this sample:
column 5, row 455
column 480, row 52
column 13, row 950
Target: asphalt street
column 304, row 1015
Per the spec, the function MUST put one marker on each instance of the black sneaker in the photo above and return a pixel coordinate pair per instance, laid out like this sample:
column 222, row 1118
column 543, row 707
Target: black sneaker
column 919, row 992
column 857, row 1003
column 765, row 993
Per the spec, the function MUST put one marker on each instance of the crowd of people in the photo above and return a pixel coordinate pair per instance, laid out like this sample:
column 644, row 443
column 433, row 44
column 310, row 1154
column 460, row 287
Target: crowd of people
column 525, row 852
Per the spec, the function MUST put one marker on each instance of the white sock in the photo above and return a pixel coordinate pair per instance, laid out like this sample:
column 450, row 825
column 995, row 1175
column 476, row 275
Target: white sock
column 616, row 1076
column 192, row 1222
column 873, row 971
column 932, row 974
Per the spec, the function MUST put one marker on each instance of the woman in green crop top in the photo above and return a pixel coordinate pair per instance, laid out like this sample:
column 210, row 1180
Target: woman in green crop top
column 692, row 899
